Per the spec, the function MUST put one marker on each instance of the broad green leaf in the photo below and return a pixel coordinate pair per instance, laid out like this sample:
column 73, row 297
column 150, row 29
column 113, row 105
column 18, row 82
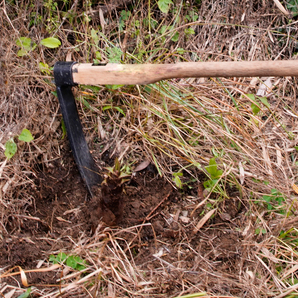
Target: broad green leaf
column 25, row 294
column 76, row 262
column 25, row 136
column 212, row 169
column 255, row 109
column 267, row 198
column 53, row 259
column 251, row 96
column 264, row 101
column 71, row 262
column 51, row 42
column 164, row 5
column 22, row 53
column 80, row 267
column 10, row 149
column 26, row 45
column 81, row 264
column 175, row 38
column 24, row 42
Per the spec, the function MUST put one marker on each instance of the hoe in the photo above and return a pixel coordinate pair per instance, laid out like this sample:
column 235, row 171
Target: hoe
column 69, row 74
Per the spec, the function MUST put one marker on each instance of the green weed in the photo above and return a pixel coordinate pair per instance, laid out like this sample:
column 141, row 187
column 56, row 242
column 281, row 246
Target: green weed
column 75, row 262
column 25, row 294
column 176, row 179
column 27, row 45
column 292, row 6
column 164, row 5
column 214, row 174
column 10, row 145
column 274, row 201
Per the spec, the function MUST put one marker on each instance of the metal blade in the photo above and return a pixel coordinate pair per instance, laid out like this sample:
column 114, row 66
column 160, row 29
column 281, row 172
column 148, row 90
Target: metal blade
column 86, row 164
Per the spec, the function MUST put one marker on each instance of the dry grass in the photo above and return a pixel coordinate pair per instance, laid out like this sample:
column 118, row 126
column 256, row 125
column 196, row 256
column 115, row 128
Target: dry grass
column 178, row 125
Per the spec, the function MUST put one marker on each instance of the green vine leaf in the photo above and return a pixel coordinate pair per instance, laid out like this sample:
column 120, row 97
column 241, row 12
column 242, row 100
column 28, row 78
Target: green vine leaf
column 10, row 149
column 164, row 5
column 25, row 136
column 51, row 42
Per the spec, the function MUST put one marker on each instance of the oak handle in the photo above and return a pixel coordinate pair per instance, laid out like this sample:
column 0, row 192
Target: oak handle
column 131, row 74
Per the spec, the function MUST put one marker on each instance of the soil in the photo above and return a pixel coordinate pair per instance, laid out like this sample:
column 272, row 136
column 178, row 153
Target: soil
column 63, row 211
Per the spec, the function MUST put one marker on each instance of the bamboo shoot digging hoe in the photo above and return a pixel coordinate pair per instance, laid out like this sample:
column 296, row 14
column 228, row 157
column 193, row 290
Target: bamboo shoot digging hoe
column 68, row 74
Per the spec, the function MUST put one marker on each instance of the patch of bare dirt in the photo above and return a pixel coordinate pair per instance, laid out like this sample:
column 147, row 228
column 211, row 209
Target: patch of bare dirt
column 62, row 213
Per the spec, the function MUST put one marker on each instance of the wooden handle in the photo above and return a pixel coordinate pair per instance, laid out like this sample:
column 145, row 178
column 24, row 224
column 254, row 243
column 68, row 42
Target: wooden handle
column 142, row 74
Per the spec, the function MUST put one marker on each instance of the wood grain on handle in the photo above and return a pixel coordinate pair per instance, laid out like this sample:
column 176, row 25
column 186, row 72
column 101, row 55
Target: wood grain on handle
column 142, row 74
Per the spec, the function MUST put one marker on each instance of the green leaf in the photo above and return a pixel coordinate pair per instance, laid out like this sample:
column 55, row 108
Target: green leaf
column 61, row 257
column 264, row 101
column 189, row 31
column 98, row 58
column 25, row 294
column 164, row 5
column 267, row 198
column 51, row 42
column 114, row 55
column 209, row 184
column 53, row 259
column 25, row 136
column 71, row 262
column 125, row 15
column 94, row 36
column 119, row 110
column 175, row 38
column 116, row 108
column 212, row 169
column 255, row 109
column 114, row 87
column 81, row 264
column 292, row 5
column 251, row 96
column 44, row 68
column 10, row 149
column 177, row 180
column 26, row 45
column 22, row 53
column 76, row 263
column 180, row 51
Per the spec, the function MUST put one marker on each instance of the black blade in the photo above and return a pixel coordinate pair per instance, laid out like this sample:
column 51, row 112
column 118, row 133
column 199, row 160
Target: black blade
column 86, row 164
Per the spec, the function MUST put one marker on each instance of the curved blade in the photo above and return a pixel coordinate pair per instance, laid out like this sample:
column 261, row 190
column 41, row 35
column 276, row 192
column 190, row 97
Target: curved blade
column 86, row 164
